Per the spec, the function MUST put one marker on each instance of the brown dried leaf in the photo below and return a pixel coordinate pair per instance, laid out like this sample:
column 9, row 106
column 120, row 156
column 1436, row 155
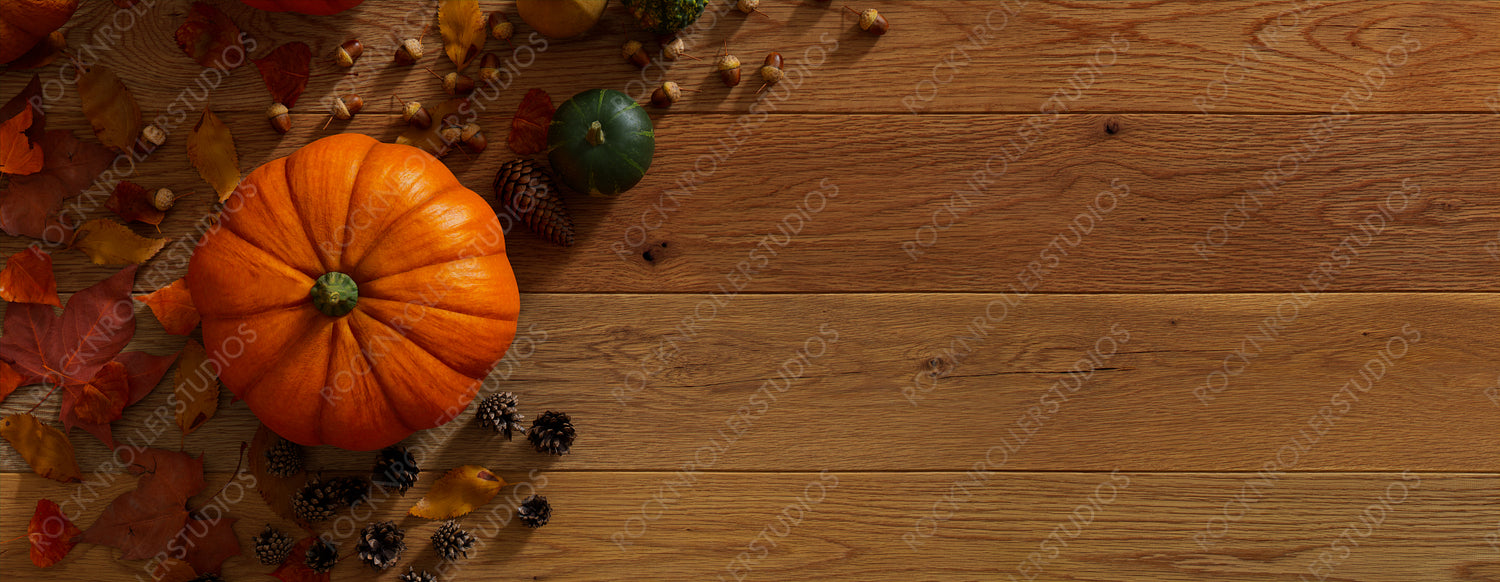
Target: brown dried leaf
column 197, row 388
column 462, row 25
column 276, row 491
column 211, row 38
column 110, row 243
column 110, row 107
column 211, row 148
column 459, row 492
column 285, row 71
column 46, row 449
column 430, row 140
column 528, row 128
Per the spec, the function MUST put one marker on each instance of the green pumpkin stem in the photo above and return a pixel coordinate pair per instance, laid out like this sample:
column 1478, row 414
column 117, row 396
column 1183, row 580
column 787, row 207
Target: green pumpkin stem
column 334, row 294
column 596, row 134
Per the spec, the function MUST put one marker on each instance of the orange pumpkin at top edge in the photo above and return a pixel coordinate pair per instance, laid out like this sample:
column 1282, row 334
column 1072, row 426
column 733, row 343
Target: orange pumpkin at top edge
column 435, row 301
column 24, row 23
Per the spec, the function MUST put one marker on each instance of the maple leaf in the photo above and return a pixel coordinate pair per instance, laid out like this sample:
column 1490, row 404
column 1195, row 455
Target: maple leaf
column 27, row 278
column 110, row 107
column 459, row 492
column 107, row 242
column 95, row 325
column 101, row 400
column 17, row 154
column 172, row 305
column 46, row 449
column 528, row 129
column 211, row 149
column 142, row 521
column 285, row 71
column 132, row 202
column 209, row 542
column 462, row 26
column 197, row 388
column 294, row 568
column 10, row 379
column 51, row 534
column 144, row 372
column 68, row 166
column 209, row 37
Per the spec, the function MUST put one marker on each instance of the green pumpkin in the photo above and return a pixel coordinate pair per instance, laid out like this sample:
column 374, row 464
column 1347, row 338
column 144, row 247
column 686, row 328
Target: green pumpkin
column 600, row 142
column 666, row 16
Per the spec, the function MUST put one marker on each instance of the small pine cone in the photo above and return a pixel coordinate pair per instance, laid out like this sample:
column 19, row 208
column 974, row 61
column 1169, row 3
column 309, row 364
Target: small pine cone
column 316, row 501
column 452, row 542
column 535, row 511
column 209, row 577
column 381, row 544
column 272, row 546
column 284, row 459
column 395, row 468
column 412, row 575
column 321, row 556
column 498, row 413
column 526, row 191
column 350, row 491
column 552, row 432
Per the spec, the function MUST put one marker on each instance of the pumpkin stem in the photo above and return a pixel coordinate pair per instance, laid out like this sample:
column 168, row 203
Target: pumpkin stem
column 334, row 294
column 596, row 134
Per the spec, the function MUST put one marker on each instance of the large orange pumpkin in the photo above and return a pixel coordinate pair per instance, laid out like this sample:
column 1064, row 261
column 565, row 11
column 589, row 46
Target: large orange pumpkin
column 23, row 23
column 354, row 292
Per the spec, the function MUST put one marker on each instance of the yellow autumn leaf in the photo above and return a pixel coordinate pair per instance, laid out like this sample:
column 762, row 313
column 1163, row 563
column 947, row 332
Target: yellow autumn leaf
column 211, row 149
column 111, row 109
column 196, row 388
column 110, row 243
column 46, row 449
column 460, row 491
column 462, row 25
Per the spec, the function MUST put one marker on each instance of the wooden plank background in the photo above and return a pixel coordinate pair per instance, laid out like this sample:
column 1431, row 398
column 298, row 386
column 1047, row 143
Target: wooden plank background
column 1200, row 103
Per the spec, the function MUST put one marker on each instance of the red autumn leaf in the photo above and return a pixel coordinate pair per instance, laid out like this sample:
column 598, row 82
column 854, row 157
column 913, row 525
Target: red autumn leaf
column 143, row 371
column 51, row 534
column 210, row 38
column 285, row 71
column 142, row 521
column 173, row 307
column 209, row 542
column 101, row 400
column 17, row 154
column 132, row 202
column 528, row 129
column 10, row 379
column 27, row 208
column 294, row 568
column 70, row 349
column 27, row 278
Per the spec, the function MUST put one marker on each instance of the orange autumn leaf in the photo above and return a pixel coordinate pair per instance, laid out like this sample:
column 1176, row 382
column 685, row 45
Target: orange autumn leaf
column 211, row 149
column 110, row 243
column 285, row 71
column 51, row 534
column 29, row 207
column 173, row 307
column 27, row 278
column 211, row 38
column 110, row 107
column 103, row 398
column 17, row 154
column 46, row 449
column 133, row 203
column 528, row 129
column 196, row 388
column 459, row 492
column 10, row 379
column 462, row 25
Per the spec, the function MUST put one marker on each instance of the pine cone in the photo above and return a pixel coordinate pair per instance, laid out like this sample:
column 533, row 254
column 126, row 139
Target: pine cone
column 498, row 413
column 317, row 500
column 272, row 546
column 451, row 542
column 284, row 459
column 321, row 556
column 552, row 432
column 395, row 468
column 535, row 511
column 381, row 544
column 414, row 576
column 526, row 191
column 350, row 491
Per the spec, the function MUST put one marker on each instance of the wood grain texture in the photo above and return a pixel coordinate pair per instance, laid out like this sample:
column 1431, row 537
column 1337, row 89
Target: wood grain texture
column 1431, row 527
column 954, row 55
column 695, row 219
column 646, row 396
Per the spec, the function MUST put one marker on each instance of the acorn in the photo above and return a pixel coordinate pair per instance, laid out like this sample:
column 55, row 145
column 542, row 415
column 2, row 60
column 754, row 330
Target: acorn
column 344, row 108
column 665, row 95
column 501, row 27
column 409, row 52
column 414, row 115
column 151, row 138
column 748, row 6
column 472, row 136
column 489, row 68
column 163, row 199
column 455, row 84
column 676, row 49
column 770, row 71
column 348, row 52
column 729, row 69
column 280, row 121
column 872, row 22
column 450, row 136
column 635, row 54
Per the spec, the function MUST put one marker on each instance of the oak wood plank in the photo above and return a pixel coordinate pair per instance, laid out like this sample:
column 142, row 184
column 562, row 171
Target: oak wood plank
column 884, row 382
column 850, row 526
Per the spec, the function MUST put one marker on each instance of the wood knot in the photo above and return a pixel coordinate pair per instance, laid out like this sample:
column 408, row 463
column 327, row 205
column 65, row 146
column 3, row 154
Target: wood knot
column 655, row 252
column 1112, row 126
